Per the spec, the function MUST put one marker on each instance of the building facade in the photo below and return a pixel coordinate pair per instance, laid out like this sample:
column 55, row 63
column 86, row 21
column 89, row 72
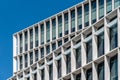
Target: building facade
column 79, row 43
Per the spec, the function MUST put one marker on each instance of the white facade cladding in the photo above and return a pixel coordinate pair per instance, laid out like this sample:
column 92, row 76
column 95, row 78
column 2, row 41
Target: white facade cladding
column 79, row 43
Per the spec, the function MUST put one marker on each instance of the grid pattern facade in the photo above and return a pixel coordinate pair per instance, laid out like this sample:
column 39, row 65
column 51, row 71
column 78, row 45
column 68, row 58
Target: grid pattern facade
column 79, row 43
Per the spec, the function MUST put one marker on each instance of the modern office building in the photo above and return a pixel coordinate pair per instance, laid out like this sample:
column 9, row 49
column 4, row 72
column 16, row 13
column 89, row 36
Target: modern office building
column 79, row 43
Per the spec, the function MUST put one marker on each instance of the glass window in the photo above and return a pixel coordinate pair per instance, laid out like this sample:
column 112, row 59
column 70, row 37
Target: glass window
column 113, row 37
column 65, row 40
column 86, row 15
column 51, row 72
column 31, row 58
column 100, row 44
column 59, row 68
column 114, row 68
column 89, row 51
column 78, row 57
column 42, row 34
column 54, row 29
column 79, row 17
column 48, row 31
column 36, row 55
column 93, row 11
column 42, row 74
column 26, row 41
column 36, row 36
column 101, row 8
column 21, row 43
column 89, row 74
column 53, row 46
column 59, row 43
column 42, row 52
column 60, row 26
column 21, row 62
column 78, row 76
column 100, row 70
column 116, row 3
column 72, row 20
column 35, row 76
column 48, row 49
column 26, row 60
column 66, row 23
column 31, row 38
column 68, row 63
column 108, row 6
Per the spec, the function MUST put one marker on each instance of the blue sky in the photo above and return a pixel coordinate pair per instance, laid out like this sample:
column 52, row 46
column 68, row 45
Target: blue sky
column 19, row 14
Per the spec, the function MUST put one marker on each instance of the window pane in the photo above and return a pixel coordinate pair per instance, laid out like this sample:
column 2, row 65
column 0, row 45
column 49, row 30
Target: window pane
column 42, row 74
column 100, row 44
column 68, row 63
column 31, row 58
column 48, row 31
column 109, row 5
column 89, row 51
column 51, row 72
column 53, row 46
column 21, row 43
column 26, row 41
column 101, row 71
column 72, row 20
column 113, row 37
column 26, row 60
column 116, row 3
column 48, row 49
column 66, row 23
column 78, row 57
column 114, row 68
column 36, row 36
column 60, row 26
column 86, row 15
column 54, row 29
column 42, row 52
column 101, row 8
column 42, row 34
column 79, row 17
column 93, row 11
column 31, row 38
column 89, row 74
column 59, row 68
column 78, row 77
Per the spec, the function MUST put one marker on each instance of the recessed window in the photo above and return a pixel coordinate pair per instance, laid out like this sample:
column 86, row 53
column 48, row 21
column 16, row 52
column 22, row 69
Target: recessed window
column 42, row 52
column 66, row 23
column 21, row 62
column 48, row 31
column 78, row 76
column 26, row 60
column 59, row 68
column 60, row 26
column 86, row 15
column 42, row 33
column 53, row 46
column 51, row 72
column 42, row 74
column 48, row 49
column 36, row 55
column 21, row 43
column 31, row 38
column 101, row 8
column 78, row 57
column 79, row 18
column 53, row 29
column 108, row 6
column 100, row 70
column 59, row 43
column 93, row 11
column 31, row 58
column 26, row 41
column 36, row 36
column 89, row 74
column 72, row 20
column 68, row 63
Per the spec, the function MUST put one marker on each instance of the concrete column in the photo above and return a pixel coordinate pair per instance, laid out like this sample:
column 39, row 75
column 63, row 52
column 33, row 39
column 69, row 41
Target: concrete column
column 76, row 21
column 39, row 34
column 94, row 71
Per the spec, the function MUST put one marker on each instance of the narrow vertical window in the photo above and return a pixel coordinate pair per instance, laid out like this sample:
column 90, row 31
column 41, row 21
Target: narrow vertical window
column 42, row 52
column 59, row 43
column 53, row 46
column 93, row 11
column 42, row 34
column 35, row 76
column 78, row 57
column 36, row 55
column 51, row 72
column 26, row 60
column 72, row 20
column 79, row 17
column 21, row 43
column 48, row 31
column 21, row 62
column 100, row 44
column 26, row 41
column 113, row 36
column 114, row 68
column 100, row 71
column 66, row 23
column 101, row 8
column 59, row 69
column 68, row 63
column 31, row 38
column 89, row 51
column 42, row 74
column 116, row 3
column 36, row 36
column 108, row 6
column 53, row 29
column 31, row 58
column 86, row 15
column 78, row 76
column 89, row 74
column 48, row 49
column 60, row 26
